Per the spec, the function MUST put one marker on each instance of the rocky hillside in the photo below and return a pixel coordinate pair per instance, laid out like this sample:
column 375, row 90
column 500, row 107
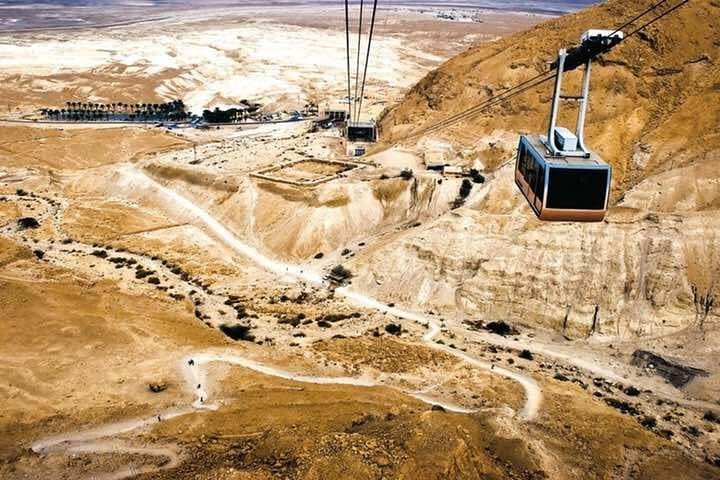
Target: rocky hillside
column 652, row 97
column 655, row 115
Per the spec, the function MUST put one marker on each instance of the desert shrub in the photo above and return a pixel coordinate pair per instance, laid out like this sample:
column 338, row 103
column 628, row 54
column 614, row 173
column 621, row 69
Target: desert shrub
column 294, row 321
column 476, row 176
column 500, row 328
column 648, row 422
column 157, row 387
column 407, row 174
column 526, row 354
column 141, row 273
column 39, row 254
column 341, row 272
column 25, row 223
column 711, row 416
column 393, row 329
column 237, row 332
column 702, row 260
column 624, row 407
column 465, row 188
column 631, row 391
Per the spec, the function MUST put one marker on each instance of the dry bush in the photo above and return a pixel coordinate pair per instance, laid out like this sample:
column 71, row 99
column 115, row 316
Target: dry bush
column 702, row 261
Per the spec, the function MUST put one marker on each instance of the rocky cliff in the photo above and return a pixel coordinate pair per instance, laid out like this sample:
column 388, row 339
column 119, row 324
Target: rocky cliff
column 654, row 115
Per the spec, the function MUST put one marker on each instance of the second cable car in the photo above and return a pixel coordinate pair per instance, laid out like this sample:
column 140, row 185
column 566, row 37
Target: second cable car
column 361, row 132
column 561, row 179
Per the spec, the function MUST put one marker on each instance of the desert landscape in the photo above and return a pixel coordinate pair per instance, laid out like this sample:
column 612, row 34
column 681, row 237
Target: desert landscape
column 258, row 299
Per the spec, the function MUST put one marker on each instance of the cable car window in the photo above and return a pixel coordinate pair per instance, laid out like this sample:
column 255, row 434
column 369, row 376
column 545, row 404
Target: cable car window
column 539, row 186
column 577, row 188
column 528, row 166
column 361, row 133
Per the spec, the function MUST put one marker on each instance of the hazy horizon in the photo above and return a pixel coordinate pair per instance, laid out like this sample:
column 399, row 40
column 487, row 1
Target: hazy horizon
column 18, row 15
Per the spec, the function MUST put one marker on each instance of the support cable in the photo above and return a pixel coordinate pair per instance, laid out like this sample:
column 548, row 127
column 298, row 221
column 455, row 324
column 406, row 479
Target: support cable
column 357, row 62
column 347, row 51
column 523, row 86
column 367, row 58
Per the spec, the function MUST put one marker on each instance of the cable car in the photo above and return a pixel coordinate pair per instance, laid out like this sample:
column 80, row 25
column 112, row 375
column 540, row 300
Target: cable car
column 562, row 188
column 361, row 132
column 559, row 176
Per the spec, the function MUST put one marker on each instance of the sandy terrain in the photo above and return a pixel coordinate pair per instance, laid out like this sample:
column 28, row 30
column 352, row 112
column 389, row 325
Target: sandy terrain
column 165, row 314
column 216, row 58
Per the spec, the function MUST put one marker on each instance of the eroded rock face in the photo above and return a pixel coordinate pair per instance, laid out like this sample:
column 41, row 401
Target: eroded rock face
column 625, row 276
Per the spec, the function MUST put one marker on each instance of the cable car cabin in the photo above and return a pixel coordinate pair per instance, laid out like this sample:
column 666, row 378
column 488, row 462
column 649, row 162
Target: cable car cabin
column 562, row 188
column 361, row 132
column 560, row 177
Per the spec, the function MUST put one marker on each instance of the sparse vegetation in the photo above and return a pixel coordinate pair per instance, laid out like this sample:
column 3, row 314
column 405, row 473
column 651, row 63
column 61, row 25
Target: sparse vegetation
column 526, row 354
column 710, row 416
column 500, row 328
column 238, row 332
column 648, row 422
column 476, row 176
column 702, row 260
column 407, row 174
column 393, row 329
column 465, row 189
column 26, row 223
column 340, row 272
column 157, row 387
column 631, row 391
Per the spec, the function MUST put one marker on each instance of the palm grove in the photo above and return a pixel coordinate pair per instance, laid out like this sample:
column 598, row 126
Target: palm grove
column 83, row 111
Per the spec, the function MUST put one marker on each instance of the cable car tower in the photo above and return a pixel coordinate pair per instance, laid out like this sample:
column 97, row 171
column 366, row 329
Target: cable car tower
column 559, row 176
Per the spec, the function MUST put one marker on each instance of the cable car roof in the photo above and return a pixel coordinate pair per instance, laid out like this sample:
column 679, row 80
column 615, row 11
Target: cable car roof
column 594, row 161
column 361, row 124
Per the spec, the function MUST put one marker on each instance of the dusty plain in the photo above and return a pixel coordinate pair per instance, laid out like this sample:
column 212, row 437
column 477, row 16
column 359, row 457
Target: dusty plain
column 166, row 315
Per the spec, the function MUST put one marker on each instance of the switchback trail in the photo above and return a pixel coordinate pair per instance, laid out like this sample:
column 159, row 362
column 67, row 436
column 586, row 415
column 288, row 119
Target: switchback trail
column 192, row 366
column 532, row 390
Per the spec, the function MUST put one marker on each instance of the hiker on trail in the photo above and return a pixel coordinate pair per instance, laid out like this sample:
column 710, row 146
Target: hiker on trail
column 492, row 366
column 191, row 362
column 198, row 386
column 159, row 419
column 202, row 400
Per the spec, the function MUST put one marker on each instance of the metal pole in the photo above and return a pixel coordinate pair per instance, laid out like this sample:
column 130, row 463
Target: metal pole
column 582, row 111
column 556, row 103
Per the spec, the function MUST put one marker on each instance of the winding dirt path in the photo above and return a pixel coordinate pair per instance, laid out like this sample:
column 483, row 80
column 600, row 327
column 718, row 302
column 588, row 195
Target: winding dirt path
column 532, row 390
column 192, row 366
